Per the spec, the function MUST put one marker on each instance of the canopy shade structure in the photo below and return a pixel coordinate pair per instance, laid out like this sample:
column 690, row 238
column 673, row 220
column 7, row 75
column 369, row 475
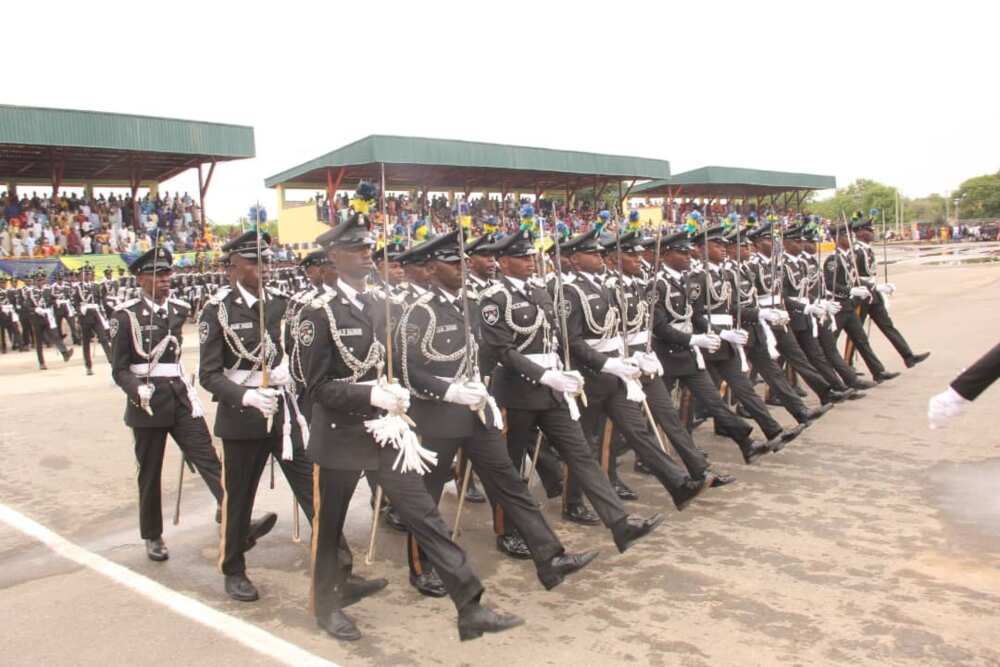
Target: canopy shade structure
column 465, row 166
column 67, row 146
column 733, row 183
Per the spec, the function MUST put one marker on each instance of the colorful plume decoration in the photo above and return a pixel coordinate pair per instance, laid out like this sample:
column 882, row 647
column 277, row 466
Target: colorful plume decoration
column 490, row 225
column 420, row 229
column 364, row 198
column 464, row 216
column 730, row 221
column 562, row 230
column 602, row 220
column 693, row 222
column 528, row 221
column 634, row 224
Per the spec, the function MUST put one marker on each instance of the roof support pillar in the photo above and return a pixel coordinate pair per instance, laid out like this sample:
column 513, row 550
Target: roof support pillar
column 203, row 184
column 332, row 184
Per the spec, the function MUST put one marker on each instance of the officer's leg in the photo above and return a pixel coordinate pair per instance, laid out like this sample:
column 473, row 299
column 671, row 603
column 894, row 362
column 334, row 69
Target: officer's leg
column 793, row 355
column 777, row 382
column 56, row 339
column 243, row 462
column 419, row 513
column 334, row 491
column 728, row 423
column 666, row 416
column 192, row 437
column 434, row 482
column 566, row 436
column 149, row 446
column 848, row 320
column 102, row 336
column 549, row 469
column 87, row 332
column 743, row 392
column 521, row 431
column 828, row 344
column 809, row 345
column 36, row 331
column 880, row 315
column 298, row 470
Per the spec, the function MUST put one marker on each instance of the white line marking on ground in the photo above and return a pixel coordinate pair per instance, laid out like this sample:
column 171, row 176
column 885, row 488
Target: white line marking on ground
column 247, row 634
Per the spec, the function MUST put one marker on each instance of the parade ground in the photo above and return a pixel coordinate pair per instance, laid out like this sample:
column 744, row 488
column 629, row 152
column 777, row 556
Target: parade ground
column 869, row 540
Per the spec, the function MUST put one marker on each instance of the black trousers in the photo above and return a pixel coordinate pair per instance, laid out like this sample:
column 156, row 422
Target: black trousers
column 192, row 437
column 743, row 392
column 880, row 316
column 62, row 315
column 9, row 329
column 828, row 343
column 629, row 419
column 566, row 437
column 665, row 414
column 777, row 381
column 849, row 322
column 817, row 357
column 42, row 334
column 790, row 351
column 418, row 512
column 243, row 463
column 704, row 391
column 91, row 328
column 504, row 488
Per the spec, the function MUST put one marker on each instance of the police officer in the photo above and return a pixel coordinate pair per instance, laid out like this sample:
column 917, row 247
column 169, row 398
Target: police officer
column 146, row 340
column 40, row 302
column 93, row 322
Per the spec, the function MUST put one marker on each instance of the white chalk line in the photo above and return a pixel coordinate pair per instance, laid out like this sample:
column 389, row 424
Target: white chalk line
column 247, row 634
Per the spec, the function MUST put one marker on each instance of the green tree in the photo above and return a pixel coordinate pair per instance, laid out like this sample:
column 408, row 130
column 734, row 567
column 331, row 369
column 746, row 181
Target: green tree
column 980, row 197
column 861, row 195
column 925, row 209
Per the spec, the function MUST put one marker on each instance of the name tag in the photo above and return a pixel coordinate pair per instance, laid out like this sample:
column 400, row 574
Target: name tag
column 241, row 325
column 520, row 304
column 591, row 297
column 149, row 327
column 348, row 332
column 446, row 328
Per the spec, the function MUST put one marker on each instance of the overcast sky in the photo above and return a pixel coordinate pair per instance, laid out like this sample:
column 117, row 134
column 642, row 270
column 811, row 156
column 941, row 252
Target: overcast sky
column 905, row 93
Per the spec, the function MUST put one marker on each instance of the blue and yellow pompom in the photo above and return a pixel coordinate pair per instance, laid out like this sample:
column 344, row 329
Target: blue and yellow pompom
column 693, row 222
column 490, row 225
column 364, row 198
column 528, row 221
column 634, row 224
column 420, row 229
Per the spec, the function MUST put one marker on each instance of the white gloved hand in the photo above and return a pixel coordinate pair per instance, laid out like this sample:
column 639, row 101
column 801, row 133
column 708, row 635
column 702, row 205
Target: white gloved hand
column 886, row 288
column 390, row 397
column 770, row 315
column 280, row 376
column 625, row 369
column 861, row 293
column 265, row 400
column 648, row 363
column 570, row 382
column 944, row 406
column 815, row 309
column 145, row 392
column 832, row 307
column 469, row 393
column 783, row 317
column 709, row 342
column 40, row 310
column 735, row 336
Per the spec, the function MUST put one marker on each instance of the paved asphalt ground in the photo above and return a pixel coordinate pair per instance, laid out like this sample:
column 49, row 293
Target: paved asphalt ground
column 871, row 540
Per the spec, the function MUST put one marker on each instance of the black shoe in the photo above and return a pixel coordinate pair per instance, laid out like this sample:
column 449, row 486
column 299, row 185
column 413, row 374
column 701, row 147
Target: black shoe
column 553, row 490
column 260, row 528
column 862, row 384
column 752, row 451
column 90, row 371
column 742, row 412
column 339, row 626
column 815, row 413
column 854, row 394
column 43, row 367
column 473, row 494
column 68, row 355
column 642, row 468
column 696, row 422
column 633, row 527
column 429, row 584
column 773, row 401
column 915, row 359
column 393, row 521
column 552, row 573
column 581, row 514
column 356, row 588
column 623, row 491
column 885, row 376
column 240, row 588
column 157, row 550
column 789, row 434
column 719, row 478
column 475, row 619
column 690, row 490
column 513, row 546
column 833, row 396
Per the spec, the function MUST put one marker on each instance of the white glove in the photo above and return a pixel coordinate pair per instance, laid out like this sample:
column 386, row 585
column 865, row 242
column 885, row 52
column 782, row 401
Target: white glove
column 280, row 376
column 625, row 369
column 944, row 406
column 567, row 382
column 770, row 315
column 709, row 342
column 470, row 393
column 735, row 336
column 783, row 317
column 265, row 400
column 648, row 363
column 145, row 392
column 886, row 288
column 832, row 307
column 815, row 309
column 861, row 293
column 390, row 397
column 40, row 310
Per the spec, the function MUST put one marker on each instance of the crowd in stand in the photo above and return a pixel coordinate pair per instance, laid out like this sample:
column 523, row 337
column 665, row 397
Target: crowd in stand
column 47, row 226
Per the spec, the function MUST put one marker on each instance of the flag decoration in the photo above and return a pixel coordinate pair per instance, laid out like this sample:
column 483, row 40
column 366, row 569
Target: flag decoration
column 464, row 216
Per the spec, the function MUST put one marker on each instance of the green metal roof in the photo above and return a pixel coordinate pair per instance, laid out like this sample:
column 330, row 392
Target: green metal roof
column 733, row 182
column 416, row 162
column 104, row 146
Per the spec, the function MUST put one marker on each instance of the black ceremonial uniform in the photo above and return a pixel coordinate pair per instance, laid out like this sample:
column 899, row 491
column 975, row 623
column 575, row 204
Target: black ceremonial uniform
column 10, row 319
column 93, row 321
column 40, row 303
column 146, row 349
column 840, row 277
column 876, row 307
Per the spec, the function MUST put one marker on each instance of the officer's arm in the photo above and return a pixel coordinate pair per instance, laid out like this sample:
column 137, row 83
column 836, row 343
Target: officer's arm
column 498, row 340
column 699, row 321
column 662, row 327
column 417, row 375
column 316, row 349
column 580, row 351
column 210, row 368
column 121, row 356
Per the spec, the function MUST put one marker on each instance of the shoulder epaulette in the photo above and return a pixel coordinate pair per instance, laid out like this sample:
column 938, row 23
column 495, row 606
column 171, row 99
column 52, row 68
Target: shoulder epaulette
column 179, row 302
column 127, row 304
column 322, row 299
column 495, row 288
column 219, row 295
